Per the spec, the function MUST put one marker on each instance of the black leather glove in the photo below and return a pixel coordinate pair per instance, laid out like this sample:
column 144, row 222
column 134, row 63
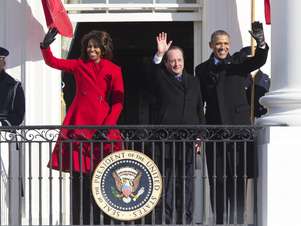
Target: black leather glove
column 49, row 38
column 258, row 34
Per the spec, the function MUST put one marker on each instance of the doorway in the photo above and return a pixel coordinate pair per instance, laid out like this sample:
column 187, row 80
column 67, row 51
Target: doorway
column 134, row 47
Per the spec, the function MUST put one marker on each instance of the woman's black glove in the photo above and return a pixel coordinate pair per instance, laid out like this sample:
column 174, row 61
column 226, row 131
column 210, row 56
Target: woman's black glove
column 258, row 34
column 49, row 38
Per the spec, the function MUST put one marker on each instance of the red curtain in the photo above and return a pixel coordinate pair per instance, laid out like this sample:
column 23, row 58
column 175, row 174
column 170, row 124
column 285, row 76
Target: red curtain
column 267, row 11
column 56, row 16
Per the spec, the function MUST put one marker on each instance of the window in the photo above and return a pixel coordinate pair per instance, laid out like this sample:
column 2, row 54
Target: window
column 136, row 1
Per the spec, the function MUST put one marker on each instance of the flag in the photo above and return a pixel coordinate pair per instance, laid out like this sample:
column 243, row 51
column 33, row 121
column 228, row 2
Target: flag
column 57, row 17
column 267, row 11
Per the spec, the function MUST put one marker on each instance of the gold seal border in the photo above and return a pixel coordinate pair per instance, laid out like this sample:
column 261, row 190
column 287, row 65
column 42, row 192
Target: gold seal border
column 154, row 197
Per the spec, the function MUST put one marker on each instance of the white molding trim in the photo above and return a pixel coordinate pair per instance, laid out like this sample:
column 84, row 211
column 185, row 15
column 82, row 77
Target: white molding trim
column 132, row 12
column 133, row 6
column 134, row 17
column 197, row 43
column 205, row 31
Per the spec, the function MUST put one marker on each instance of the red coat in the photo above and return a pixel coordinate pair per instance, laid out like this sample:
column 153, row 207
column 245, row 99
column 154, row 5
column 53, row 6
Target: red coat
column 94, row 84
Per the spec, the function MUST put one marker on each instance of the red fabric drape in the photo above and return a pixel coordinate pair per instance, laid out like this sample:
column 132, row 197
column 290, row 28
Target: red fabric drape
column 56, row 16
column 267, row 11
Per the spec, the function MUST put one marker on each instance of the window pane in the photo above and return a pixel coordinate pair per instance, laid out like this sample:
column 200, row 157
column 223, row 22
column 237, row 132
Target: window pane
column 137, row 1
column 92, row 1
column 176, row 1
column 117, row 1
column 129, row 1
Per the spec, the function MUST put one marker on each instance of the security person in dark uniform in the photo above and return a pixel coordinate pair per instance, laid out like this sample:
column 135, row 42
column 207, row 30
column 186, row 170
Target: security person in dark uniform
column 12, row 100
column 261, row 81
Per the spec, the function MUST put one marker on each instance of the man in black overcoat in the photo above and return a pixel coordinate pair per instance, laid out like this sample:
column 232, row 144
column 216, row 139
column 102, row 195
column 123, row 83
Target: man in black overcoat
column 180, row 102
column 12, row 101
column 222, row 80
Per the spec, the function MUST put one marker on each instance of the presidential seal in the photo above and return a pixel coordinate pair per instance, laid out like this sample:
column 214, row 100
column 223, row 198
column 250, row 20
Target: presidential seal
column 126, row 185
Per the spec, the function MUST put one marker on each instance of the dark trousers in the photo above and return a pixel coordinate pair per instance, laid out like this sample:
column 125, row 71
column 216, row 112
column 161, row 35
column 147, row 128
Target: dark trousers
column 179, row 202
column 83, row 204
column 229, row 166
column 178, row 187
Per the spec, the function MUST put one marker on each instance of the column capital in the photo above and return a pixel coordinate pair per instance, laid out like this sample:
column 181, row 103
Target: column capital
column 284, row 108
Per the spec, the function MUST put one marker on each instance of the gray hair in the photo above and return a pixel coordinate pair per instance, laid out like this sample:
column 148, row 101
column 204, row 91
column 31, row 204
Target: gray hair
column 173, row 48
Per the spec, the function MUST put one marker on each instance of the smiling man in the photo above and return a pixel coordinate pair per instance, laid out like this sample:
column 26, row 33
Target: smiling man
column 173, row 86
column 180, row 102
column 222, row 78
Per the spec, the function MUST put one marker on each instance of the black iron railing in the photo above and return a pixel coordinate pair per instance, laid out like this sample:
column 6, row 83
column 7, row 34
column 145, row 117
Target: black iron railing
column 208, row 173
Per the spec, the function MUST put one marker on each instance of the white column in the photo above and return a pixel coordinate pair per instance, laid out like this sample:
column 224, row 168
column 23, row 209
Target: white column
column 284, row 99
column 279, row 181
column 279, row 153
column 43, row 107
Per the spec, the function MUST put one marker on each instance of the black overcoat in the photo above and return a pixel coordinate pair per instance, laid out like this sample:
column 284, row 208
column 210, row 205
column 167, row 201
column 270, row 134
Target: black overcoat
column 223, row 90
column 180, row 102
column 12, row 101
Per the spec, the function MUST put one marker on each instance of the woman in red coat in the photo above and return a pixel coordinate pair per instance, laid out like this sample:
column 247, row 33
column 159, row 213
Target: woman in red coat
column 97, row 79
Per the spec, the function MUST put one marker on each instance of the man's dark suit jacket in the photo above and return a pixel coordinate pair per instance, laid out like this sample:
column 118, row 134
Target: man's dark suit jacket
column 180, row 102
column 222, row 87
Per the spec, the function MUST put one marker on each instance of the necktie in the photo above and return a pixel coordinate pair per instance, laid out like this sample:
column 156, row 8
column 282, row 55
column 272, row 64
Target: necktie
column 179, row 78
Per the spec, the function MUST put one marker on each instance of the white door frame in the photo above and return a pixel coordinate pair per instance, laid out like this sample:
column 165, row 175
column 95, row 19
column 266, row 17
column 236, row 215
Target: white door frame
column 144, row 13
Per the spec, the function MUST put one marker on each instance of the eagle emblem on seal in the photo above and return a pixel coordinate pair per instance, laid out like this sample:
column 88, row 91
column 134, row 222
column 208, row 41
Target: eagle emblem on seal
column 127, row 181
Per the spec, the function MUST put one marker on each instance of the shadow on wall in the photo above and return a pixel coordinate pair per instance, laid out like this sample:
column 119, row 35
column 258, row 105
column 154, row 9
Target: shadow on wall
column 222, row 15
column 19, row 20
column 235, row 31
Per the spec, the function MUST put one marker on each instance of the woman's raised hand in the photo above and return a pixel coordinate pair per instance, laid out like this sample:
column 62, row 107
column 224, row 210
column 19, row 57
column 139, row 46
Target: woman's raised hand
column 49, row 38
